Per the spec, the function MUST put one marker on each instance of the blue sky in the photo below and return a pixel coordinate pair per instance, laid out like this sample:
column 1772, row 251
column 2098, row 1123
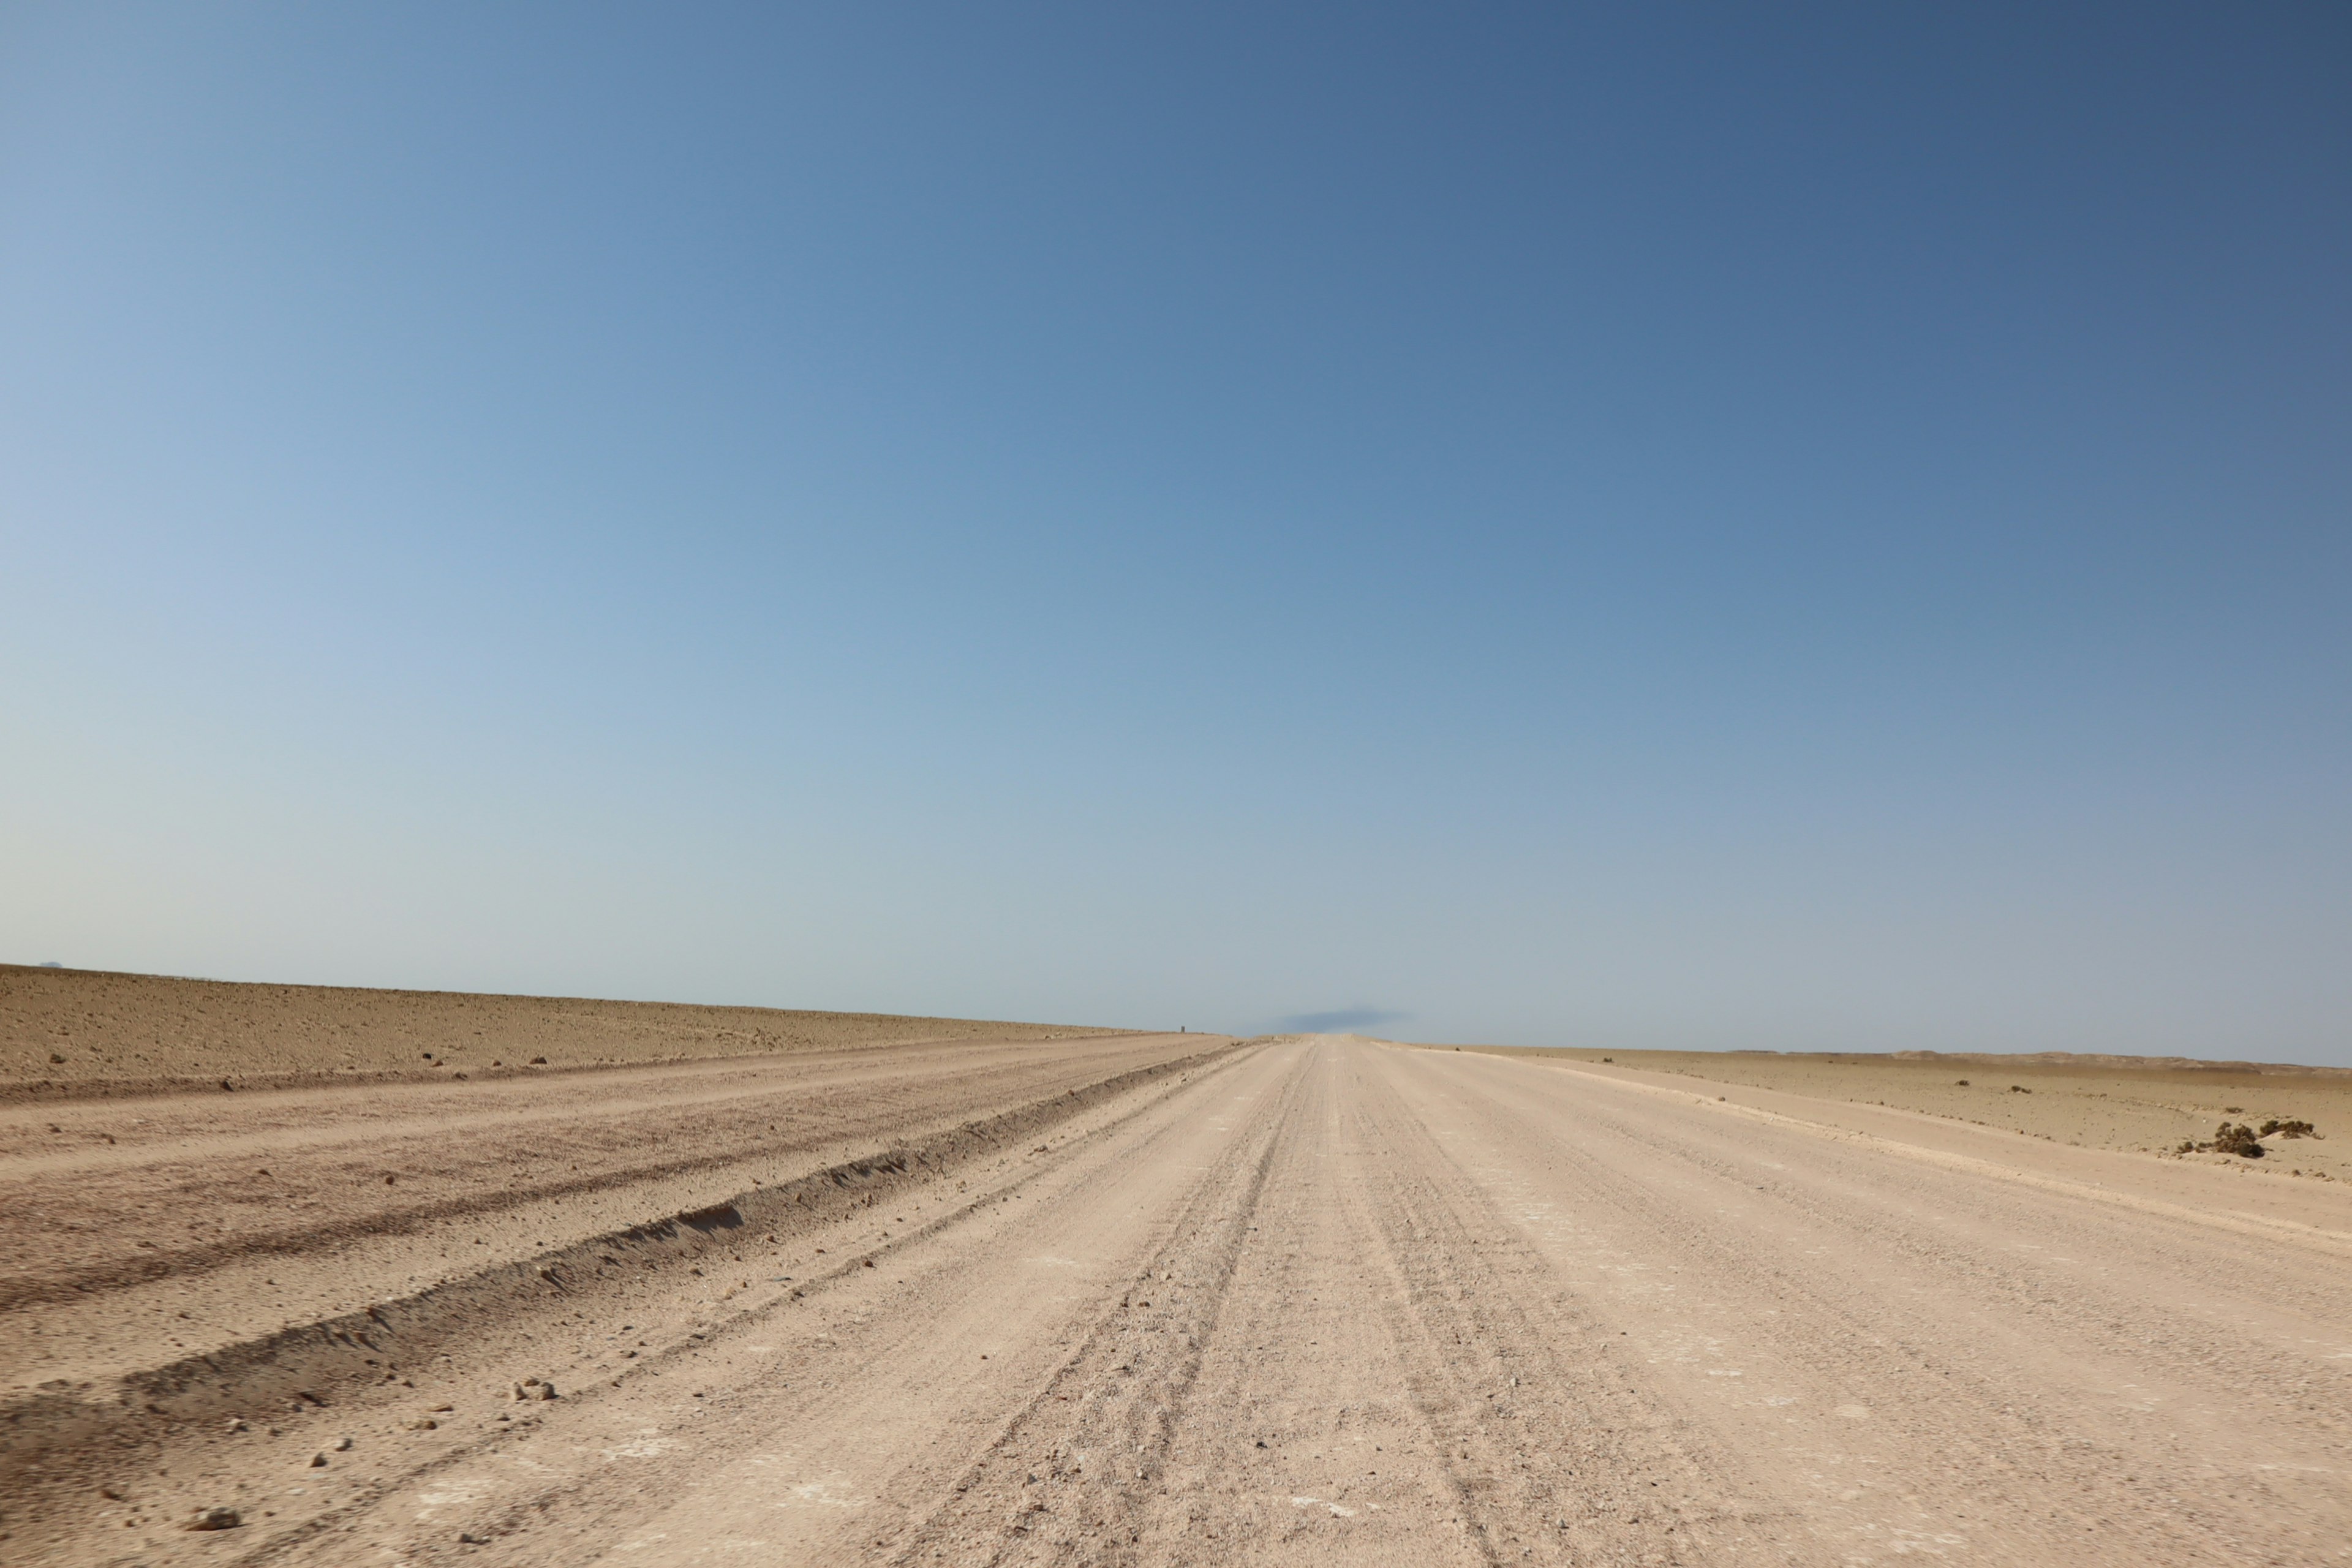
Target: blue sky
column 1713, row 526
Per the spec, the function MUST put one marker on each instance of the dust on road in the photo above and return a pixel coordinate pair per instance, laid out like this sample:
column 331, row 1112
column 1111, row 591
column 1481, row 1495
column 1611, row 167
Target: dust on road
column 1175, row 1299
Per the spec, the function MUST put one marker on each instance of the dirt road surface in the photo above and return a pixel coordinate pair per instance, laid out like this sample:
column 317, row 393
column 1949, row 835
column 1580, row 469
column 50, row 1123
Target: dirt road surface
column 1156, row 1299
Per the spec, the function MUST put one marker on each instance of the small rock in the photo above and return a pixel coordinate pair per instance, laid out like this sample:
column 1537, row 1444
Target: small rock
column 342, row 1445
column 534, row 1388
column 426, row 1424
column 235, row 1424
column 468, row 1538
column 216, row 1519
column 318, row 1461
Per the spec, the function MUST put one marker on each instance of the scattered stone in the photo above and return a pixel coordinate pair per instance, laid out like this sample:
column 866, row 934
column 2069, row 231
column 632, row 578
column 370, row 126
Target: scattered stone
column 342, row 1445
column 216, row 1519
column 2288, row 1129
column 318, row 1461
column 534, row 1388
column 424, row 1423
column 235, row 1425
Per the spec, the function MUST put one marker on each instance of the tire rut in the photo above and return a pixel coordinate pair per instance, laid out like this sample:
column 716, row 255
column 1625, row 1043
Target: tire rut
column 1949, row 1374
column 1074, row 1472
column 585, row 1504
column 691, row 1137
column 1555, row 1450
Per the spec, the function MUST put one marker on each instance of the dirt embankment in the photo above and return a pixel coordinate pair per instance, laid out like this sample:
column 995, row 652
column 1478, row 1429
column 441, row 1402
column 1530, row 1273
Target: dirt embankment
column 73, row 1032
column 2144, row 1105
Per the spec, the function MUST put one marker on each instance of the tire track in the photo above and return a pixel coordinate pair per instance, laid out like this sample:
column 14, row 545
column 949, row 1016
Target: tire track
column 1072, row 1470
column 1896, row 1358
column 1554, row 1447
column 93, row 1231
column 1325, row 1301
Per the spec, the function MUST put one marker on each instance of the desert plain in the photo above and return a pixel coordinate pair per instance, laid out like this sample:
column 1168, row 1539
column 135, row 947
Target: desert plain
column 362, row 1277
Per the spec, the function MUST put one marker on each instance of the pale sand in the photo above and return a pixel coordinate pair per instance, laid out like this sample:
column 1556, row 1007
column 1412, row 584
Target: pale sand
column 1155, row 1298
column 2147, row 1105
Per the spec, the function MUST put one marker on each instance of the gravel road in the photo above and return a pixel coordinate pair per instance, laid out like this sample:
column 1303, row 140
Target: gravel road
column 1181, row 1300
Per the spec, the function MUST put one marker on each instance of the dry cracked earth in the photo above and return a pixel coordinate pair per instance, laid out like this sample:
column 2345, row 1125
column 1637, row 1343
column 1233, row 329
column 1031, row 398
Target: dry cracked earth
column 1145, row 1299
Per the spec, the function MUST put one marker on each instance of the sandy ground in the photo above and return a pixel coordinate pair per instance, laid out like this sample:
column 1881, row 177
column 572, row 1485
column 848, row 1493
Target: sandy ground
column 73, row 1033
column 1158, row 1299
column 2142, row 1104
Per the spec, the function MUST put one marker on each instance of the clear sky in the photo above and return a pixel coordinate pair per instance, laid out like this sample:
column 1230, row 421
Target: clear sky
column 1720, row 526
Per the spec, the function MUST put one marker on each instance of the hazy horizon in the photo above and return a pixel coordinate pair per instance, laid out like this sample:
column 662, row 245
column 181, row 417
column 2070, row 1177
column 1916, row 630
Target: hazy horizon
column 1683, row 528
